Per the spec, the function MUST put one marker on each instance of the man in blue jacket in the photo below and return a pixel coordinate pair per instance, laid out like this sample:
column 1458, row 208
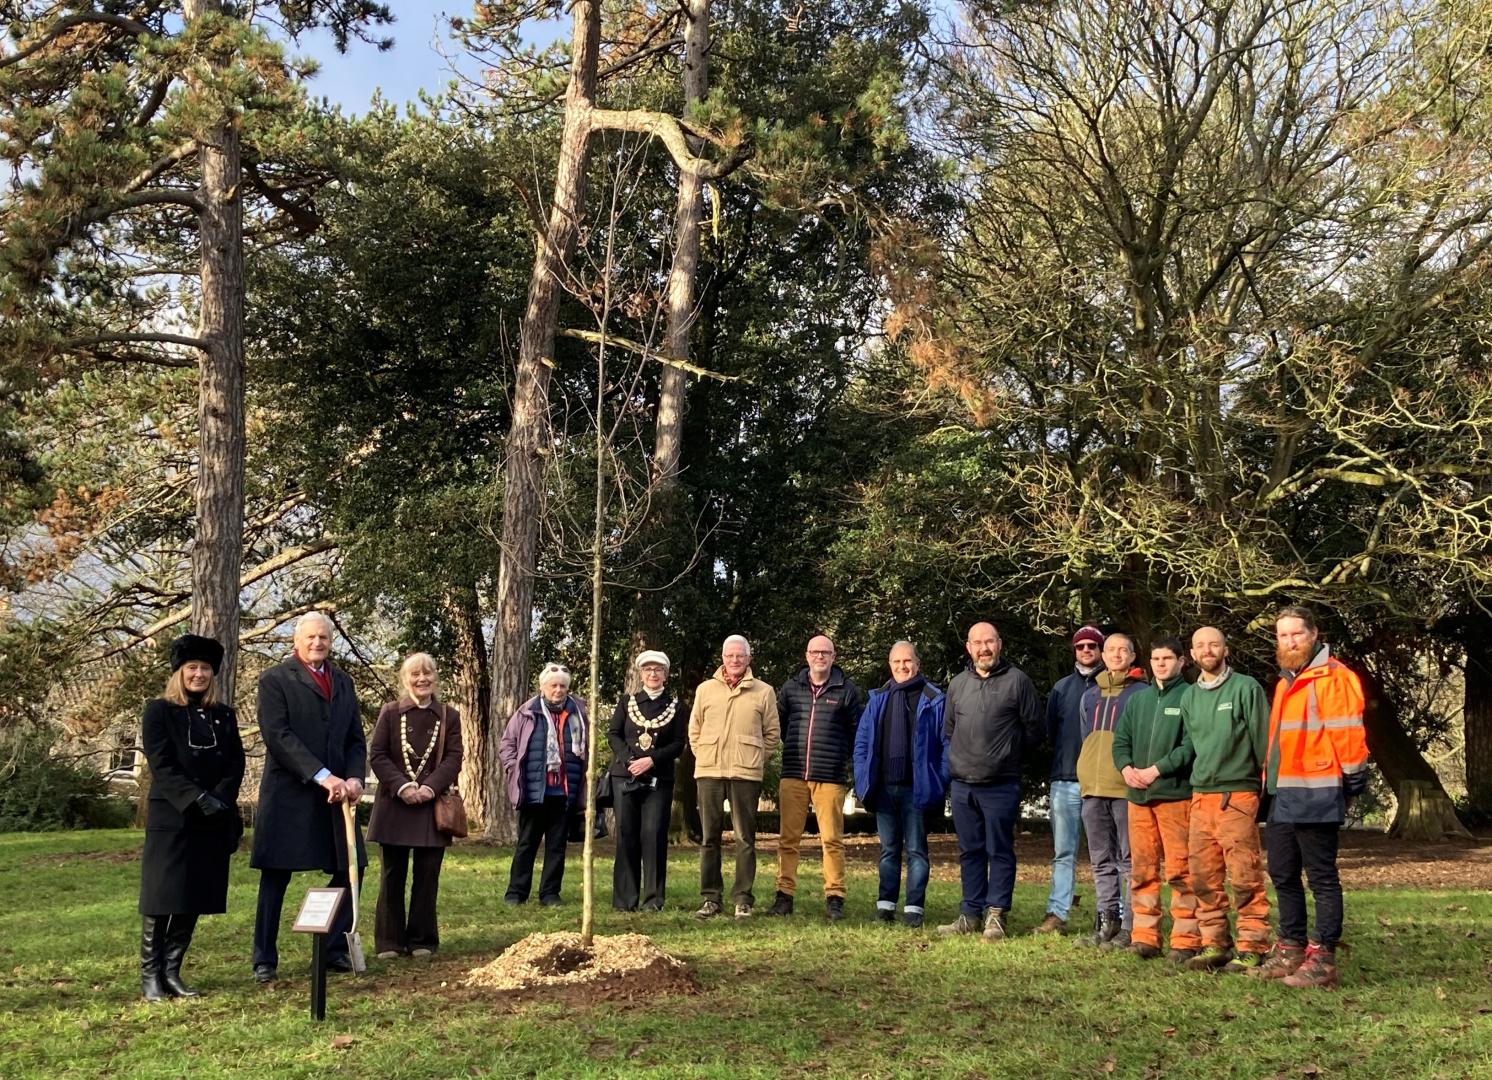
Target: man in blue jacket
column 899, row 774
column 1064, row 722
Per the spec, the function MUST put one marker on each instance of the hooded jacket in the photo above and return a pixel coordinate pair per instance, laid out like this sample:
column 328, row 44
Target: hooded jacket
column 1102, row 706
column 1317, row 753
column 1064, row 720
column 1150, row 733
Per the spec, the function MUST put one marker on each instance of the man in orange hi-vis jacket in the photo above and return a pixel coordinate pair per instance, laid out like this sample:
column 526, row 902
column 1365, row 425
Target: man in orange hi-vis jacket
column 1317, row 760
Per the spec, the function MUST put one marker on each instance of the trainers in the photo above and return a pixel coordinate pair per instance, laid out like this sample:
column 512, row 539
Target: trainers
column 886, row 915
column 1210, row 958
column 783, row 905
column 964, row 924
column 834, row 908
column 1319, row 969
column 1052, row 924
column 1282, row 961
column 1244, row 963
column 708, row 910
column 1144, row 950
column 1120, row 940
column 743, row 910
column 1179, row 957
column 994, row 924
column 389, row 954
column 912, row 920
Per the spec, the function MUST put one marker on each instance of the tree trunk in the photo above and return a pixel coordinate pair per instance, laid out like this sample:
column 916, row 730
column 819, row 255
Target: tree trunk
column 218, row 545
column 527, row 436
column 1425, row 811
column 473, row 692
column 1476, row 715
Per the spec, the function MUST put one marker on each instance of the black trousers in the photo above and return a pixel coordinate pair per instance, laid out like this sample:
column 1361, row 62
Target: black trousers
column 272, row 886
column 392, row 930
column 641, row 842
column 743, row 795
column 1312, row 848
column 548, row 821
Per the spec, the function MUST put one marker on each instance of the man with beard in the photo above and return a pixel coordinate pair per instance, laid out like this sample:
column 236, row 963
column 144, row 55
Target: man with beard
column 899, row 774
column 1226, row 718
column 1317, row 760
column 817, row 710
column 991, row 715
column 1064, row 733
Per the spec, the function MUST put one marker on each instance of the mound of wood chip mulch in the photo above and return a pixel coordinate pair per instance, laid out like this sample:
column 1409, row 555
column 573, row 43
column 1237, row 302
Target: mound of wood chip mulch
column 557, row 960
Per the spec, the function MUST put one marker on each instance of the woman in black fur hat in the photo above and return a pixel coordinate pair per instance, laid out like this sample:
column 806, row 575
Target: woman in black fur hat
column 192, row 824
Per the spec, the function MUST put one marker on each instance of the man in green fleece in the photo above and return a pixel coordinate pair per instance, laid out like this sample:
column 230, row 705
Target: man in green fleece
column 1151, row 754
column 1226, row 716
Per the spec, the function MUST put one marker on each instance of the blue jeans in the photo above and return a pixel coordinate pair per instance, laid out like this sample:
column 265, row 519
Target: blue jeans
column 1067, row 826
column 901, row 824
column 984, row 817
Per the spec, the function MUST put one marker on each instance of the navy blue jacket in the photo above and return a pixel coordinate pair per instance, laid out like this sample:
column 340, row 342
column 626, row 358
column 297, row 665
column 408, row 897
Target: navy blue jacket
column 1064, row 722
column 534, row 773
column 929, row 772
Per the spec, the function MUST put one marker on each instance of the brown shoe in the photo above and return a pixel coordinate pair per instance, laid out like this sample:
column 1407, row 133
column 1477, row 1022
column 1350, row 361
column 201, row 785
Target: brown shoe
column 1283, row 960
column 1144, row 950
column 994, row 924
column 964, row 924
column 1318, row 970
column 1051, row 925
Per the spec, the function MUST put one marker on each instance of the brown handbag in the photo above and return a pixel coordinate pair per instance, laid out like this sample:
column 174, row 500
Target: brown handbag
column 450, row 811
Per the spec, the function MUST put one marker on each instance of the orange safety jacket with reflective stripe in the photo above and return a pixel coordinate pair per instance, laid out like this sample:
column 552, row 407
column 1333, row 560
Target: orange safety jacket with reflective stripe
column 1318, row 748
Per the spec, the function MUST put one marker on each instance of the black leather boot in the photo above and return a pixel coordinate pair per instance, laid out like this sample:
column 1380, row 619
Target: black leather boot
column 178, row 937
column 152, row 944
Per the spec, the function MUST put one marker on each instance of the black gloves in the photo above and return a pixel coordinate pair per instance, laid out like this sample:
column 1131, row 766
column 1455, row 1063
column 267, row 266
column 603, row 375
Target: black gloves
column 210, row 804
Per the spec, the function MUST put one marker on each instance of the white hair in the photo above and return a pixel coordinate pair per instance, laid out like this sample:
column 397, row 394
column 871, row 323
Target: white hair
column 904, row 644
column 553, row 671
column 736, row 639
column 415, row 661
column 319, row 616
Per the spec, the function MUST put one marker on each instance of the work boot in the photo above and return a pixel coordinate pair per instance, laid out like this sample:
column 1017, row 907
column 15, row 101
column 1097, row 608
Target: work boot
column 708, row 910
column 1283, row 960
column 964, row 924
column 1244, row 963
column 1052, row 924
column 834, row 908
column 1120, row 940
column 1319, row 969
column 1180, row 957
column 994, row 924
column 152, row 950
column 1210, row 958
column 886, row 915
column 178, row 937
column 1144, row 950
column 912, row 920
column 783, row 905
column 1105, row 928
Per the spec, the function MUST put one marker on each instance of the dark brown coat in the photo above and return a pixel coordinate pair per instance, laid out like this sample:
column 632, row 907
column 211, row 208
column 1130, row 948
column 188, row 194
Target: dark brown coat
column 394, row 821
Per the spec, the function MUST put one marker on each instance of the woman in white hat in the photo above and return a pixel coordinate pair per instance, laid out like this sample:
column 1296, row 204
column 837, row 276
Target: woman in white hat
column 646, row 737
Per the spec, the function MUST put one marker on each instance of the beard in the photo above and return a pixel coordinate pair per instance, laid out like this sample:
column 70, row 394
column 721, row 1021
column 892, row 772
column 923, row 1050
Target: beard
column 1212, row 664
column 1294, row 659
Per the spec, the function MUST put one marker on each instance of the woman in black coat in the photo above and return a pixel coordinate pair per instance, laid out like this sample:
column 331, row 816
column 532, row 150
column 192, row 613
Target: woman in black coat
column 416, row 755
column 192, row 823
column 646, row 737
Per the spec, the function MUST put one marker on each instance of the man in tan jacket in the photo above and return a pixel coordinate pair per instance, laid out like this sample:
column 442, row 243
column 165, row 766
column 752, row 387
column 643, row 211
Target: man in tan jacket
column 732, row 731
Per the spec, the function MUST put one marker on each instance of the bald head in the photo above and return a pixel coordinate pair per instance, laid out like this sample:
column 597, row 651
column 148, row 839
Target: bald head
column 983, row 645
column 820, row 657
column 1210, row 649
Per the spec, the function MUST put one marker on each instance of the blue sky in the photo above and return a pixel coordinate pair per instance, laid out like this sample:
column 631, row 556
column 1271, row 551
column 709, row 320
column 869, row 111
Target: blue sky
column 412, row 65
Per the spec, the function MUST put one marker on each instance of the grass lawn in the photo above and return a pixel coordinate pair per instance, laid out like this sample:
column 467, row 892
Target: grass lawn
column 781, row 997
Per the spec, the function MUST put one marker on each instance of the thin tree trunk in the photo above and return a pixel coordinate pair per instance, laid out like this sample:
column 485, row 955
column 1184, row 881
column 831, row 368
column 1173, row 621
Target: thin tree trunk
column 1476, row 715
column 218, row 545
column 588, row 855
column 523, row 464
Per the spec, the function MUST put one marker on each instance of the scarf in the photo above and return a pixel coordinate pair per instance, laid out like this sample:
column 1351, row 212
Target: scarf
column 653, row 695
column 896, row 732
column 322, row 678
column 554, row 752
column 1213, row 683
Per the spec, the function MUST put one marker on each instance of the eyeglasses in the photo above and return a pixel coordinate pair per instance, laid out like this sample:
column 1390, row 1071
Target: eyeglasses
column 820, row 652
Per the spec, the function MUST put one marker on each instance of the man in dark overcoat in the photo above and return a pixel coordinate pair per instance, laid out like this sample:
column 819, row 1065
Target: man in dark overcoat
column 315, row 758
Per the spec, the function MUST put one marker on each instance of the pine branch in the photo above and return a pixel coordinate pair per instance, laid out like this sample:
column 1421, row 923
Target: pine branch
column 80, row 344
column 670, row 131
column 68, row 22
column 151, row 197
column 175, row 157
column 596, row 338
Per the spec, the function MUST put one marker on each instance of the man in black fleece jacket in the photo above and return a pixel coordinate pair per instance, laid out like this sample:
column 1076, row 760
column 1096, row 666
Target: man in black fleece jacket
column 992, row 717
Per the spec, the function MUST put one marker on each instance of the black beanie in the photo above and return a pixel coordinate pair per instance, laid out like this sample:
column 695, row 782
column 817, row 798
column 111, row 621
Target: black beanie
column 194, row 647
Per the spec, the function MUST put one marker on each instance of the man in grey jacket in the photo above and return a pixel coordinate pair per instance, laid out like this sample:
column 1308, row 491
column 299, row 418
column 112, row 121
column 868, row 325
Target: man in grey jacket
column 991, row 718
